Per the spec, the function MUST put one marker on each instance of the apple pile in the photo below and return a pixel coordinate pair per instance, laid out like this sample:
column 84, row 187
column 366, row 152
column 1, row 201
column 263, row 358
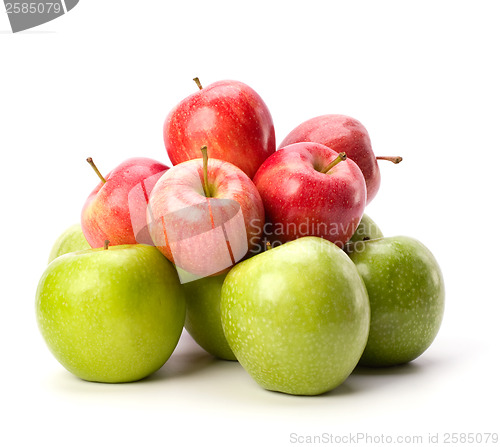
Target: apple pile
column 265, row 256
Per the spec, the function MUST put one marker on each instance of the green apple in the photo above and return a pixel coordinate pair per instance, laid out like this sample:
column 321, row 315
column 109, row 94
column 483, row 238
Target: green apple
column 71, row 240
column 203, row 320
column 367, row 229
column 111, row 315
column 296, row 316
column 406, row 291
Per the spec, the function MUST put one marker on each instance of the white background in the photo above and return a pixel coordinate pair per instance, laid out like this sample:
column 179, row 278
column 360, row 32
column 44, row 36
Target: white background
column 423, row 78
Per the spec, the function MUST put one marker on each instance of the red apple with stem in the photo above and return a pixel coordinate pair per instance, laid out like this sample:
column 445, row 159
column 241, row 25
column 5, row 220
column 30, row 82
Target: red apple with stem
column 343, row 134
column 116, row 209
column 309, row 189
column 204, row 215
column 229, row 115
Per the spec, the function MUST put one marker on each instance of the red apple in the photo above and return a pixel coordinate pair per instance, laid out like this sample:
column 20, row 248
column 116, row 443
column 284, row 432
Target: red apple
column 116, row 209
column 228, row 116
column 309, row 189
column 343, row 134
column 204, row 224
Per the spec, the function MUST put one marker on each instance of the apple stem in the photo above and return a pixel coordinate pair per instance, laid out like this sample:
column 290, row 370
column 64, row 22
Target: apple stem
column 94, row 167
column 204, row 151
column 341, row 157
column 106, row 244
column 198, row 83
column 395, row 159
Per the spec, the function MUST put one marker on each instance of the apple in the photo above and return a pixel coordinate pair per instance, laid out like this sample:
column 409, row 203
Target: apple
column 343, row 134
column 367, row 229
column 296, row 316
column 204, row 215
column 116, row 208
column 406, row 291
column 112, row 314
column 72, row 239
column 228, row 116
column 309, row 189
column 203, row 320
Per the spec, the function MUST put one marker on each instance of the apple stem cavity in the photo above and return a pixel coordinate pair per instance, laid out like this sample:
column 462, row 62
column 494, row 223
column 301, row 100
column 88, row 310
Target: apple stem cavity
column 395, row 159
column 106, row 244
column 204, row 151
column 94, row 167
column 341, row 157
column 198, row 83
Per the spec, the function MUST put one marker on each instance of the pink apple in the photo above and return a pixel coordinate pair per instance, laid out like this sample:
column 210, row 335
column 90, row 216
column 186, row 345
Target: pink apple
column 228, row 116
column 205, row 233
column 342, row 134
column 300, row 200
column 116, row 208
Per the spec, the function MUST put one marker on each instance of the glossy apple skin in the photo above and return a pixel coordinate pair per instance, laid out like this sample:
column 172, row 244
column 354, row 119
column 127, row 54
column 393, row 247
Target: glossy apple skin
column 227, row 116
column 72, row 239
column 296, row 316
column 116, row 210
column 301, row 201
column 187, row 227
column 203, row 320
column 367, row 229
column 111, row 315
column 406, row 291
column 342, row 134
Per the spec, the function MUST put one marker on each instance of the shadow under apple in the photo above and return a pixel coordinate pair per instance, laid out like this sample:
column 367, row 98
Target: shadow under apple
column 187, row 359
column 396, row 370
column 182, row 365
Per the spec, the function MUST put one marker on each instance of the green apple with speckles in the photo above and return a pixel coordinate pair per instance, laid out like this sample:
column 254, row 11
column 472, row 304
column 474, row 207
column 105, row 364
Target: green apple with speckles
column 296, row 316
column 406, row 291
column 72, row 239
column 111, row 314
column 203, row 320
column 367, row 229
